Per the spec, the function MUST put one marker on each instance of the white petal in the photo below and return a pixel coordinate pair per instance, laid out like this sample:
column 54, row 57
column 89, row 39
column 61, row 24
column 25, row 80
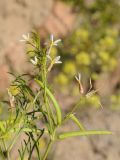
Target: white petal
column 57, row 58
column 79, row 76
column 51, row 37
column 22, row 40
column 59, row 62
column 36, row 60
column 57, row 41
column 55, row 44
column 76, row 78
column 33, row 62
column 24, row 36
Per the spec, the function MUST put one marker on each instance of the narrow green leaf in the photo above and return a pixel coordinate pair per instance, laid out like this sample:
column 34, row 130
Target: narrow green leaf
column 82, row 133
column 2, row 126
column 56, row 105
column 72, row 116
column 27, row 129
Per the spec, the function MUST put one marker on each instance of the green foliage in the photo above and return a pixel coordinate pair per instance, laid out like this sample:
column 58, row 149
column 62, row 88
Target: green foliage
column 29, row 107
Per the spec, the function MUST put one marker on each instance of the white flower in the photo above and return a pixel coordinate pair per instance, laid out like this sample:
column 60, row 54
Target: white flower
column 34, row 61
column 54, row 43
column 25, row 38
column 57, row 60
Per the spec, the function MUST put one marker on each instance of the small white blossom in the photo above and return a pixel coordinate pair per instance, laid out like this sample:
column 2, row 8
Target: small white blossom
column 25, row 38
column 34, row 61
column 57, row 60
column 54, row 43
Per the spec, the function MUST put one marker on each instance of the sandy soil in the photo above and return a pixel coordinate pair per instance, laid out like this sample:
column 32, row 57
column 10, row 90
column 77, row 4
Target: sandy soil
column 18, row 17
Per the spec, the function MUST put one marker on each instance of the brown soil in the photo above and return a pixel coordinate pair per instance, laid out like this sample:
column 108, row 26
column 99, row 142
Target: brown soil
column 19, row 17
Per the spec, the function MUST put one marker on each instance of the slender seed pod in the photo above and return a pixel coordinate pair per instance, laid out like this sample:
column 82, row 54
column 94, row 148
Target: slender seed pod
column 82, row 133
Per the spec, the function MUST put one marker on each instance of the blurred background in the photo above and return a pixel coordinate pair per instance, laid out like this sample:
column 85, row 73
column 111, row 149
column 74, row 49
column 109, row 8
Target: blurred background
column 90, row 33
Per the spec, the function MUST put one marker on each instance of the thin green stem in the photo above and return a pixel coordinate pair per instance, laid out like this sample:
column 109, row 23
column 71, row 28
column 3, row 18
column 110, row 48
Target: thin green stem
column 8, row 155
column 76, row 106
column 35, row 145
column 55, row 103
column 4, row 144
column 2, row 154
column 51, row 113
column 47, row 150
column 6, row 150
column 14, row 141
column 71, row 112
column 33, row 45
column 45, row 94
column 36, row 97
